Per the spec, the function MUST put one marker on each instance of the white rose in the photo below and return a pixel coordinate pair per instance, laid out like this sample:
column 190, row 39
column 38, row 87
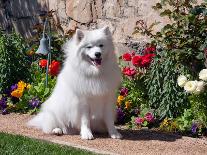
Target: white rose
column 190, row 86
column 182, row 80
column 200, row 87
column 203, row 75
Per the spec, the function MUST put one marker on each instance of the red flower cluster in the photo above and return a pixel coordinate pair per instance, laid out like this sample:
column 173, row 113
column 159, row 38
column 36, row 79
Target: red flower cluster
column 43, row 63
column 138, row 60
column 54, row 68
column 142, row 61
column 129, row 71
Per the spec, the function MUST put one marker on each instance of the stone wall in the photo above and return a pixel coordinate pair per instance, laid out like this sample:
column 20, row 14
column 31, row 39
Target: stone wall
column 119, row 15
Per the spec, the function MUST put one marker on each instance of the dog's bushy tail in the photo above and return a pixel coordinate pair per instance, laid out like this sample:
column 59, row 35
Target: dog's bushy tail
column 36, row 121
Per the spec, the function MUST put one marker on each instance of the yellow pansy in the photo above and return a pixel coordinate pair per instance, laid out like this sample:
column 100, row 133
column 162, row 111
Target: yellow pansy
column 165, row 122
column 120, row 98
column 118, row 104
column 21, row 84
column 28, row 86
column 174, row 124
column 127, row 105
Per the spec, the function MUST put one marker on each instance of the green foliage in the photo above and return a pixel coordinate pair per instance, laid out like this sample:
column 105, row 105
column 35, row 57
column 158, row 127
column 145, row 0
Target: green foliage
column 137, row 90
column 165, row 96
column 185, row 121
column 14, row 64
column 199, row 107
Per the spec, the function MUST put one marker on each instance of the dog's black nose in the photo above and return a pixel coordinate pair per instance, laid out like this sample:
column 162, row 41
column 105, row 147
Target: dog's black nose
column 98, row 54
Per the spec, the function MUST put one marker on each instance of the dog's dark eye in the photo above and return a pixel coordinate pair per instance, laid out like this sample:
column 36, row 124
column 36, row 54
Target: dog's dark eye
column 89, row 47
column 101, row 45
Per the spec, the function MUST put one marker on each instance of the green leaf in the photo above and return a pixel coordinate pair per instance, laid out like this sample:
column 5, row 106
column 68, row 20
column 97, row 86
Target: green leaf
column 200, row 56
column 46, row 92
column 145, row 123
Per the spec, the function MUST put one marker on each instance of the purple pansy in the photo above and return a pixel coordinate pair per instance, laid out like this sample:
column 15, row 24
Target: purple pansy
column 3, row 103
column 13, row 87
column 194, row 128
column 34, row 103
column 124, row 91
column 120, row 115
column 135, row 111
column 4, row 112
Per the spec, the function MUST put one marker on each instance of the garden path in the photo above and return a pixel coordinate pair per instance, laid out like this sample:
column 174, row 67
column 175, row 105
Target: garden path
column 135, row 142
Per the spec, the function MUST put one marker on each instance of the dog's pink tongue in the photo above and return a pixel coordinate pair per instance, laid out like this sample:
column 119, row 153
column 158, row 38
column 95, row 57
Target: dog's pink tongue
column 97, row 62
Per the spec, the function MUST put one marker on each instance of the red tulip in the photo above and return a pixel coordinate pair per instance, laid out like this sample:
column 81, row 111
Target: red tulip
column 54, row 68
column 43, row 63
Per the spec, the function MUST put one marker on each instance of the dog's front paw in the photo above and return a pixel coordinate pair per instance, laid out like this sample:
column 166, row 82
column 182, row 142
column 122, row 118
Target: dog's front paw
column 86, row 134
column 116, row 135
column 57, row 131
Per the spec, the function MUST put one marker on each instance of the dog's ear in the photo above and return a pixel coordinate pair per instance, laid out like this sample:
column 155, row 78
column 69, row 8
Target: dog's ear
column 79, row 35
column 106, row 30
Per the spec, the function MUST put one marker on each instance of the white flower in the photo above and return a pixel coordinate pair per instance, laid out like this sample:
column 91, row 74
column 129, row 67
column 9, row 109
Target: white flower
column 200, row 87
column 182, row 80
column 203, row 75
column 191, row 86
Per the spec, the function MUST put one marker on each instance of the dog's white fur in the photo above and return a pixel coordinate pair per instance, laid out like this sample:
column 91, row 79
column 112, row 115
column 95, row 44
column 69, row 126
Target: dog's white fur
column 84, row 96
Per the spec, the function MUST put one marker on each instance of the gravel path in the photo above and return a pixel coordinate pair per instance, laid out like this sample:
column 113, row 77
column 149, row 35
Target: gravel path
column 135, row 142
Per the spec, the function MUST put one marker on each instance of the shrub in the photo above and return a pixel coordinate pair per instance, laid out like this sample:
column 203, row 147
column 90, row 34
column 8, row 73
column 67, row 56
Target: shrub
column 14, row 64
column 182, row 43
column 165, row 96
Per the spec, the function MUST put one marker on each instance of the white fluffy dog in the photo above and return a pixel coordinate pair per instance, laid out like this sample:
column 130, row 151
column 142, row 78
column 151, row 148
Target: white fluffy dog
column 84, row 96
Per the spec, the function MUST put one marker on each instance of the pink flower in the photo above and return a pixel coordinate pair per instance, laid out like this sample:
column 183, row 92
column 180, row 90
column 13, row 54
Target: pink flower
column 139, row 120
column 124, row 91
column 149, row 117
column 129, row 71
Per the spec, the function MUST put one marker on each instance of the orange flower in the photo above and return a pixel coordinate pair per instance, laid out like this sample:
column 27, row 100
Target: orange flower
column 17, row 93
